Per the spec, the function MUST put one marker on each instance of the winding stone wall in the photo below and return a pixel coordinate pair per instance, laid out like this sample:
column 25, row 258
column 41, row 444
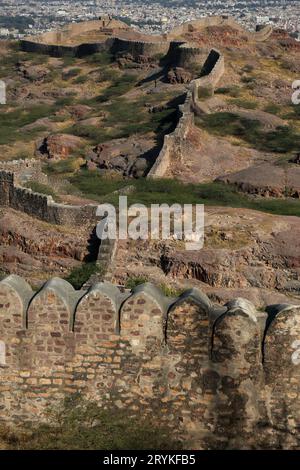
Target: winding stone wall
column 41, row 206
column 212, row 70
column 220, row 377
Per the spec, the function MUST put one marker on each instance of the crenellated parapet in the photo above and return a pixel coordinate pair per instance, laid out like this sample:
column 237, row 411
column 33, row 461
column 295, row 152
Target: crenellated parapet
column 40, row 205
column 218, row 375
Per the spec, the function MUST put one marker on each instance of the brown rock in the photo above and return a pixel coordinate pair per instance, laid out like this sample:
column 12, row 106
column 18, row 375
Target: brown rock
column 59, row 146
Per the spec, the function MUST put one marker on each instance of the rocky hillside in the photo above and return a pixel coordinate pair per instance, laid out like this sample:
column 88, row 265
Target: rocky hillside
column 98, row 123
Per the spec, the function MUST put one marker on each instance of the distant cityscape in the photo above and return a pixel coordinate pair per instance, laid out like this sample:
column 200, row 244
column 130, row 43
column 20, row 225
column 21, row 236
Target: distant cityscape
column 19, row 18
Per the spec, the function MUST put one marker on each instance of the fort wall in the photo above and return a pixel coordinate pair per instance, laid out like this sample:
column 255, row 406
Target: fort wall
column 212, row 70
column 42, row 206
column 210, row 21
column 138, row 48
column 24, row 170
column 222, row 377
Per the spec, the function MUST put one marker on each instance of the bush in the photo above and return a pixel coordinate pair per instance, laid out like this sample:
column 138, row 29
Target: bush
column 233, row 91
column 243, row 103
column 133, row 282
column 103, row 58
column 272, row 108
column 205, row 92
column 79, row 276
column 62, row 167
column 78, row 424
column 119, row 87
column 71, row 73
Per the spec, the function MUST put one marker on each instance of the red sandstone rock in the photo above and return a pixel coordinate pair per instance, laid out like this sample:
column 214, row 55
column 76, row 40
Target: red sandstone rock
column 59, row 146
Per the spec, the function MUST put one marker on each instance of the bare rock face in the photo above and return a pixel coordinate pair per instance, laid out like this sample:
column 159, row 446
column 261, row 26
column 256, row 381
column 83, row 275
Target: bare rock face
column 179, row 75
column 37, row 250
column 58, row 146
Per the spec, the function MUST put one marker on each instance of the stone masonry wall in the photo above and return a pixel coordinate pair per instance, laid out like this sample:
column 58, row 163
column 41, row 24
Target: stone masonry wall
column 41, row 206
column 219, row 377
column 213, row 69
column 25, row 170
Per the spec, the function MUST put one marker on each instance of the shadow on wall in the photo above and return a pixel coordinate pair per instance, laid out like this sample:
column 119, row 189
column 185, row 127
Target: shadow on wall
column 197, row 364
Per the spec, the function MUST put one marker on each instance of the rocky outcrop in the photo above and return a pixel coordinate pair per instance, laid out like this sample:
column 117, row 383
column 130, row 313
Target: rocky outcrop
column 179, row 75
column 59, row 146
column 267, row 180
column 126, row 157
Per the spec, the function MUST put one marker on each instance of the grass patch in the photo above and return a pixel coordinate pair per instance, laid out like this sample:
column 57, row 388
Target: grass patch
column 272, row 108
column 133, row 282
column 12, row 121
column 62, row 167
column 233, row 91
column 205, row 92
column 169, row 191
column 101, row 58
column 119, row 87
column 42, row 189
column 282, row 140
column 243, row 103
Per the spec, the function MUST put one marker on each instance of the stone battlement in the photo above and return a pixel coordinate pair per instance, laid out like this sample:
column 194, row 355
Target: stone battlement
column 222, row 376
column 40, row 205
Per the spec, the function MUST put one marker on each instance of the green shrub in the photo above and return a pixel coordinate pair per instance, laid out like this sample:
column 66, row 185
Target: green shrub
column 101, row 58
column 71, row 73
column 133, row 282
column 80, row 275
column 272, row 108
column 233, row 91
column 78, row 424
column 62, row 167
column 80, row 80
column 68, row 60
column 283, row 140
column 119, row 87
column 170, row 291
column 243, row 103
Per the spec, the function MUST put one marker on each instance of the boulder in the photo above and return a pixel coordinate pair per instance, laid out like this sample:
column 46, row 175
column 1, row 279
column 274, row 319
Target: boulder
column 59, row 146
column 179, row 75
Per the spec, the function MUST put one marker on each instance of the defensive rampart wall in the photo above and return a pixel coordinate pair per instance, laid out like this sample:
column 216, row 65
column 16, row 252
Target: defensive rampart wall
column 42, row 206
column 221, row 377
column 212, row 70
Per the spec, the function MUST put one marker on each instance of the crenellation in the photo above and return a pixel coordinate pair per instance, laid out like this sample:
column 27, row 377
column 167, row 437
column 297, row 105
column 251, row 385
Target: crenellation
column 198, row 364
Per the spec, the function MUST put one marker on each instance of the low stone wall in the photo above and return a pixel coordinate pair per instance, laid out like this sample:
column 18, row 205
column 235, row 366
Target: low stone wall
column 42, row 206
column 25, row 170
column 219, row 377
